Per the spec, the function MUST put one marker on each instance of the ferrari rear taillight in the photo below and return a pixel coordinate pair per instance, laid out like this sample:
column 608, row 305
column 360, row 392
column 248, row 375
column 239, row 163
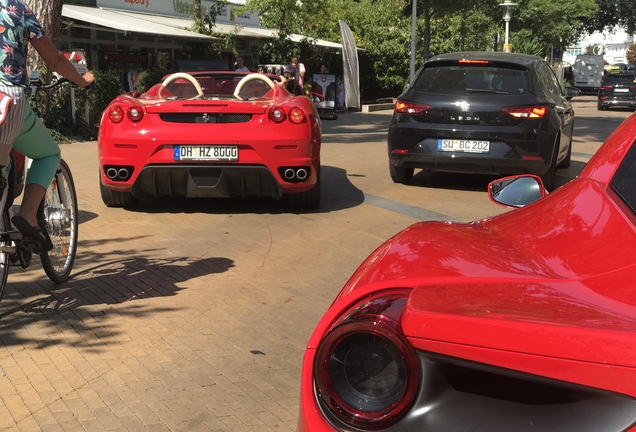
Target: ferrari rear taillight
column 116, row 114
column 527, row 112
column 365, row 370
column 277, row 115
column 296, row 115
column 410, row 107
column 135, row 113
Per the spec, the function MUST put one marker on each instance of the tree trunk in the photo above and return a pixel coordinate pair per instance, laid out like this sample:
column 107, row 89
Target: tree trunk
column 49, row 14
column 426, row 52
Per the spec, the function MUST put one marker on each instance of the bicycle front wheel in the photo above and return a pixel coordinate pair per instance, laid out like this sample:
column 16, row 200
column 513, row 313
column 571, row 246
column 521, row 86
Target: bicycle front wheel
column 5, row 227
column 59, row 212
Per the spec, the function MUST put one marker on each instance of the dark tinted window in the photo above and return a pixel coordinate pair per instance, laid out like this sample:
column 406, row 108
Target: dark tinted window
column 459, row 79
column 624, row 181
column 548, row 79
column 620, row 79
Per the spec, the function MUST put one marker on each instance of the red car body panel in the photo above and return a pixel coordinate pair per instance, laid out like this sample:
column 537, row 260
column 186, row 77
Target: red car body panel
column 260, row 141
column 546, row 290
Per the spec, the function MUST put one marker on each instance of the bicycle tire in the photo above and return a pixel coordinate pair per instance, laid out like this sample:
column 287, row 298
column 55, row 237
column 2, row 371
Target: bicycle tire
column 5, row 225
column 61, row 224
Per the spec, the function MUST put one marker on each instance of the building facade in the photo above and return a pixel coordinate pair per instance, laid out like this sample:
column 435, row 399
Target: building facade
column 148, row 34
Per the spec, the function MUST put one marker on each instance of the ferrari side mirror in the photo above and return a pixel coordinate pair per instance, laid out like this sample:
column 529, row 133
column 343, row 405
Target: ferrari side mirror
column 516, row 191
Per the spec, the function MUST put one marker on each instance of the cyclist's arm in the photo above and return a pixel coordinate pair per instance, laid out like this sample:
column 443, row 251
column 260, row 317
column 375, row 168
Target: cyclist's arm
column 60, row 64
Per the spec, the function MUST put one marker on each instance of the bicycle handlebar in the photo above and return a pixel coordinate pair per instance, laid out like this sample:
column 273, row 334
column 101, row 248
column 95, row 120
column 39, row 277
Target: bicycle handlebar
column 43, row 87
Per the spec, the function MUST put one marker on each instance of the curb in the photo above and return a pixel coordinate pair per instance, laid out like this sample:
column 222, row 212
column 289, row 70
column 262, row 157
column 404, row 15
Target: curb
column 377, row 107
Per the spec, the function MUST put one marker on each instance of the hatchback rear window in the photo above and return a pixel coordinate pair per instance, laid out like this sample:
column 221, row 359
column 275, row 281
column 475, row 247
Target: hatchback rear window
column 456, row 79
column 620, row 79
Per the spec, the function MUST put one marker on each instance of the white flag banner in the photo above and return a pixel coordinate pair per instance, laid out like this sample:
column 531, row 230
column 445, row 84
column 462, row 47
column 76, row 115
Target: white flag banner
column 350, row 66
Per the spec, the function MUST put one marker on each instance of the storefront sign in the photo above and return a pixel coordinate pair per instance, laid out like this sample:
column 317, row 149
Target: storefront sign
column 78, row 59
column 181, row 9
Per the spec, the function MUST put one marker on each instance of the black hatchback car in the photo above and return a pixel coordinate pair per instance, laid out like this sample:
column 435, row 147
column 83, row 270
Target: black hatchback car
column 618, row 90
column 482, row 112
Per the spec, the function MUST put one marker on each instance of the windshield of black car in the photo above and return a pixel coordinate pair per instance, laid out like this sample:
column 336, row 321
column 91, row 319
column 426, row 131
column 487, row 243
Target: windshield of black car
column 625, row 80
column 463, row 79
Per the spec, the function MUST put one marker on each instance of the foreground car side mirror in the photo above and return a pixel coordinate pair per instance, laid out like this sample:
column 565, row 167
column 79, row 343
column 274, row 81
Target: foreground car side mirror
column 516, row 191
column 570, row 92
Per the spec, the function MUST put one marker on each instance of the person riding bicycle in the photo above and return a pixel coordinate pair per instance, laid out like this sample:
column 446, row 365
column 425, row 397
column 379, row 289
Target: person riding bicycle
column 21, row 128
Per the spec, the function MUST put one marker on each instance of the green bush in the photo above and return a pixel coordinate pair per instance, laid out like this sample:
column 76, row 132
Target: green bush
column 58, row 115
column 147, row 79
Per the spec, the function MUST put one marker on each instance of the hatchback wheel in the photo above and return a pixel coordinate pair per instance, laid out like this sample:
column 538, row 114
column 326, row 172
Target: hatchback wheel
column 565, row 163
column 549, row 178
column 401, row 174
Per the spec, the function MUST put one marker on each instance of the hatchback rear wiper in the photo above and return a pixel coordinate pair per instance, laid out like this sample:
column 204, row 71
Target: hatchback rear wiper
column 471, row 90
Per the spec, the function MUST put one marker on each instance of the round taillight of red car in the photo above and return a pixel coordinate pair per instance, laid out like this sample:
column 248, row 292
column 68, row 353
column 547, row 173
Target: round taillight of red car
column 296, row 115
column 116, row 114
column 277, row 115
column 365, row 370
column 135, row 113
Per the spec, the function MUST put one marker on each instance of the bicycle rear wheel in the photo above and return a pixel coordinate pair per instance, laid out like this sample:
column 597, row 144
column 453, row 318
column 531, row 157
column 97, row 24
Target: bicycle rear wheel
column 5, row 227
column 59, row 213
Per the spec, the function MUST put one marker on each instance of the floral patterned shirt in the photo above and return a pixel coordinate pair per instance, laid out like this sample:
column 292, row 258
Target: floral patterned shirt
column 18, row 26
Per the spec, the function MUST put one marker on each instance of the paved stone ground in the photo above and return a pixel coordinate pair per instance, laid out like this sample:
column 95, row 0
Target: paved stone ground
column 192, row 315
column 181, row 315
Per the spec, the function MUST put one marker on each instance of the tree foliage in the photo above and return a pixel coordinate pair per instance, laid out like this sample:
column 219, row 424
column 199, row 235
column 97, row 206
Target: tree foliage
column 382, row 29
column 630, row 55
column 552, row 23
column 612, row 14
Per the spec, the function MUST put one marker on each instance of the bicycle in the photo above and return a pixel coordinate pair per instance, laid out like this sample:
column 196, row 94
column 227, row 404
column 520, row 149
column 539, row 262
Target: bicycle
column 57, row 212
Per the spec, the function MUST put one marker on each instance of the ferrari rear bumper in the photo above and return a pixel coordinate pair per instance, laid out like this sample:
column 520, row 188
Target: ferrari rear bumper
column 206, row 181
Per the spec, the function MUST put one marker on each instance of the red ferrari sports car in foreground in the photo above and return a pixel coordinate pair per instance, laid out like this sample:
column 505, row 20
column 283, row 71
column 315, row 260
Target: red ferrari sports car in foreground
column 210, row 134
column 521, row 322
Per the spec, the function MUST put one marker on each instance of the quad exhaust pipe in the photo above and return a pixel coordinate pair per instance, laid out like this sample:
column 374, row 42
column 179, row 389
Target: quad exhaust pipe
column 118, row 174
column 289, row 174
column 301, row 174
column 295, row 174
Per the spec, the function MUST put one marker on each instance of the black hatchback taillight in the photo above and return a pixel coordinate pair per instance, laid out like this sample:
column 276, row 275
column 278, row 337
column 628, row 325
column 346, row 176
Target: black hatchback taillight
column 411, row 107
column 366, row 372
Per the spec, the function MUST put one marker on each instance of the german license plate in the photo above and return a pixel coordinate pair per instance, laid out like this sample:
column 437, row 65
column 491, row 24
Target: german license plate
column 206, row 153
column 466, row 146
column 621, row 90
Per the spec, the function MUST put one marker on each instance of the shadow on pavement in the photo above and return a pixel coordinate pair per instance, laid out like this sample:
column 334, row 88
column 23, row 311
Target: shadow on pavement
column 479, row 182
column 338, row 193
column 113, row 283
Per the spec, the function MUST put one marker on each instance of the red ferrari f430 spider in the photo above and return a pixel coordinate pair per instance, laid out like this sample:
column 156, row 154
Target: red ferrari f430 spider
column 210, row 134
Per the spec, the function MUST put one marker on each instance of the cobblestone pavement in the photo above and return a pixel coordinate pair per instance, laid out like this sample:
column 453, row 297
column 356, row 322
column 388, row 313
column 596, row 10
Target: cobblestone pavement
column 192, row 315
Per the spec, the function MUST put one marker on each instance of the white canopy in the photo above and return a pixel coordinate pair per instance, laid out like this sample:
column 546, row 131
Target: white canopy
column 169, row 26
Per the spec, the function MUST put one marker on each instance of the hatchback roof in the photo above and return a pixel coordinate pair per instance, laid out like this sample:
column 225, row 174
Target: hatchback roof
column 522, row 59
